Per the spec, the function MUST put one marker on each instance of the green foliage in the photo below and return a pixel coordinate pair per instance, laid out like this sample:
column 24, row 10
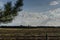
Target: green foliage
column 7, row 9
column 10, row 11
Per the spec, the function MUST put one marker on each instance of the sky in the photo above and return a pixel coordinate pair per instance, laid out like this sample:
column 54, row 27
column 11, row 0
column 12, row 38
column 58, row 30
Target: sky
column 36, row 13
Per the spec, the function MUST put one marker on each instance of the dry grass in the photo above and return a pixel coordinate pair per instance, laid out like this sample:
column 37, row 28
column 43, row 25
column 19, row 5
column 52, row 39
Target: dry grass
column 14, row 32
column 32, row 31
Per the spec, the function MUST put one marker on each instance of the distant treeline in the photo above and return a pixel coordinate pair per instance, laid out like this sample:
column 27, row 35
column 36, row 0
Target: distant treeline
column 21, row 26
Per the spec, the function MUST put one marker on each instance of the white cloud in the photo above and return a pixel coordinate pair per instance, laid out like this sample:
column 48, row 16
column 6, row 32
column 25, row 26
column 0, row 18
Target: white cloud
column 28, row 18
column 53, row 23
column 54, row 3
column 55, row 19
column 33, row 18
column 48, row 18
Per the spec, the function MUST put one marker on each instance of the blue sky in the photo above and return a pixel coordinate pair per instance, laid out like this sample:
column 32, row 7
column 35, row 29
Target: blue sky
column 38, row 5
column 35, row 5
column 37, row 12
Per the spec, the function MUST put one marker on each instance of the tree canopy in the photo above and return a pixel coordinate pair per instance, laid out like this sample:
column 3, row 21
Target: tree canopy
column 9, row 12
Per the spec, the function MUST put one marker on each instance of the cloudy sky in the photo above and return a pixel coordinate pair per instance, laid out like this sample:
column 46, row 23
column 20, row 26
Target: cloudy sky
column 36, row 13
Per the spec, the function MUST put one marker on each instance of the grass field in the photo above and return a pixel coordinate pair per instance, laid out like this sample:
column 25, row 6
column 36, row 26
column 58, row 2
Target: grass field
column 12, row 33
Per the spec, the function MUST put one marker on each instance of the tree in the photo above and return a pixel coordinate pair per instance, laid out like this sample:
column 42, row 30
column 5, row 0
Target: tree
column 9, row 12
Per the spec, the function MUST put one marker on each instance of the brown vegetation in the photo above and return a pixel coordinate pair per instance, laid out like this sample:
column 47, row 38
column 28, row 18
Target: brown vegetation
column 30, row 33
